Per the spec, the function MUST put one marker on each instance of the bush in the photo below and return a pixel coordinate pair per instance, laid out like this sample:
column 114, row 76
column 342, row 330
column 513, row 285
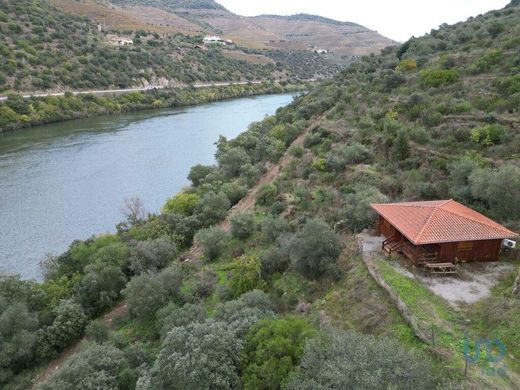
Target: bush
column 182, row 203
column 242, row 225
column 267, row 195
column 234, row 192
column 345, row 360
column 232, row 161
column 499, row 189
column 355, row 153
column 271, row 350
column 147, row 293
column 212, row 241
column 68, row 325
column 198, row 173
column 246, row 275
column 436, row 78
column 95, row 367
column 98, row 331
column 296, row 151
column 198, row 356
column 488, row 135
column 244, row 312
column 273, row 227
column 314, row 248
column 212, row 208
column 275, row 259
column 152, row 255
column 357, row 213
column 172, row 316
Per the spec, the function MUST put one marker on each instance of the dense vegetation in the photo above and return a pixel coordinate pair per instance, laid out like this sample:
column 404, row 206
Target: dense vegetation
column 277, row 299
column 42, row 48
column 174, row 4
column 17, row 112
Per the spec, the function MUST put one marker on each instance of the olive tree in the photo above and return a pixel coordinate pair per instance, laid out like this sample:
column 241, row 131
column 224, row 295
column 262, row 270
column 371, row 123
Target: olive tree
column 315, row 248
column 345, row 360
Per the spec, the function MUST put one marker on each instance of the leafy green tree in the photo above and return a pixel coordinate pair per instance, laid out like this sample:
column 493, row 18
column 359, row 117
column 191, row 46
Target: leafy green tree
column 232, row 161
column 152, row 254
column 346, row 360
column 401, row 147
column 212, row 208
column 315, row 248
column 246, row 275
column 212, row 240
column 198, row 356
column 172, row 316
column 267, row 195
column 199, row 172
column 147, row 293
column 357, row 213
column 183, row 203
column 272, row 348
column 95, row 367
column 499, row 189
column 68, row 325
column 242, row 225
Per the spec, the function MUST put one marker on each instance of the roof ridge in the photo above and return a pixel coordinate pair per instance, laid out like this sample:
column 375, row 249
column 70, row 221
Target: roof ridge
column 425, row 224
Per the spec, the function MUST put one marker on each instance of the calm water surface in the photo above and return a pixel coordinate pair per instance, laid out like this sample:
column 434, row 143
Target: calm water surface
column 68, row 181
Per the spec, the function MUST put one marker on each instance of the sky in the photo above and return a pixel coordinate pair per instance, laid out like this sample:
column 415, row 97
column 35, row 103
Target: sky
column 395, row 19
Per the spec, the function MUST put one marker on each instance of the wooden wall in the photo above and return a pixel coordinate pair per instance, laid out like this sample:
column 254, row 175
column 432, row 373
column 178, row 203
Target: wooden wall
column 468, row 251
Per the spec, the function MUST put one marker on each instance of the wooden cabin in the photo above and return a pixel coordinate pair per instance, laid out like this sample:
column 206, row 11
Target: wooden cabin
column 442, row 231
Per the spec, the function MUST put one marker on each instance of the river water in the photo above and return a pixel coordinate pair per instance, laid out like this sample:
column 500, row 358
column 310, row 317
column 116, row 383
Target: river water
column 69, row 180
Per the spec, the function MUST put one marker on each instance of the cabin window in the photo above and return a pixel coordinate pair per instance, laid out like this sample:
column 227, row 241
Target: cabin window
column 465, row 246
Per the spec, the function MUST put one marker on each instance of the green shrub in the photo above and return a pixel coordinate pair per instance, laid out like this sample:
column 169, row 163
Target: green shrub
column 182, row 203
column 212, row 241
column 345, row 360
column 267, row 195
column 438, row 77
column 314, row 248
column 212, row 208
column 488, row 135
column 172, row 316
column 273, row 227
column 242, row 225
column 198, row 356
column 245, row 275
column 272, row 349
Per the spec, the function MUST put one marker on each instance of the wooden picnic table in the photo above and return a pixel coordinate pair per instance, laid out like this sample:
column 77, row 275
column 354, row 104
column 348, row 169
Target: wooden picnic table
column 441, row 268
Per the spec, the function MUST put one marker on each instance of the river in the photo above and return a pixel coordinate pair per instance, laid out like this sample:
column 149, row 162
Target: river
column 69, row 180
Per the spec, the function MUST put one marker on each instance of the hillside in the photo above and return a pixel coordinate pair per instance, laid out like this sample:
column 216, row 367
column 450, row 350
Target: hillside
column 46, row 49
column 251, row 277
column 298, row 32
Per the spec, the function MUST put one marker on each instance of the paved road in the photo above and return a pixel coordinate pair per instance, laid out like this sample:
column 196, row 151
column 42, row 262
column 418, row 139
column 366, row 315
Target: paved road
column 126, row 90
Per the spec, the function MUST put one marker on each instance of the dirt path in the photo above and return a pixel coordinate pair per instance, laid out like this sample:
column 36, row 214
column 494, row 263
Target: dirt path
column 245, row 203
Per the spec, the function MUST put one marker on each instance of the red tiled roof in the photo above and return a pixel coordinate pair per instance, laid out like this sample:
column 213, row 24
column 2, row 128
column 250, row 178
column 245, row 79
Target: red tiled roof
column 440, row 221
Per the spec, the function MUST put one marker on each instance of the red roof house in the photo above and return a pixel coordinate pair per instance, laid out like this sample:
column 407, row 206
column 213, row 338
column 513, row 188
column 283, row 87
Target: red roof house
column 440, row 231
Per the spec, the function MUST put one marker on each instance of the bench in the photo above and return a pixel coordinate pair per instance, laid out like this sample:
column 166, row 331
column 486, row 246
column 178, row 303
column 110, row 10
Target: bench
column 441, row 268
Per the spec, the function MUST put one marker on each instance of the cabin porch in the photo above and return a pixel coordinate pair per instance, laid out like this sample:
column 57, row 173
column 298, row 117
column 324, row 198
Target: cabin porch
column 418, row 254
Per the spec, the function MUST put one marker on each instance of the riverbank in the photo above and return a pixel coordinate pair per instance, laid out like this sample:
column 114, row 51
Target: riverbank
column 19, row 112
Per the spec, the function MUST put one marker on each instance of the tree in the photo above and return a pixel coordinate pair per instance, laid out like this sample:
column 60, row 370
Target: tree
column 152, row 254
column 133, row 210
column 357, row 213
column 267, row 195
column 68, row 325
column 246, row 275
column 401, row 146
column 147, row 293
column 212, row 208
column 315, row 248
column 212, row 240
column 272, row 348
column 198, row 356
column 232, row 160
column 346, row 360
column 96, row 367
column 172, row 316
column 199, row 172
column 183, row 203
column 499, row 189
column 242, row 225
